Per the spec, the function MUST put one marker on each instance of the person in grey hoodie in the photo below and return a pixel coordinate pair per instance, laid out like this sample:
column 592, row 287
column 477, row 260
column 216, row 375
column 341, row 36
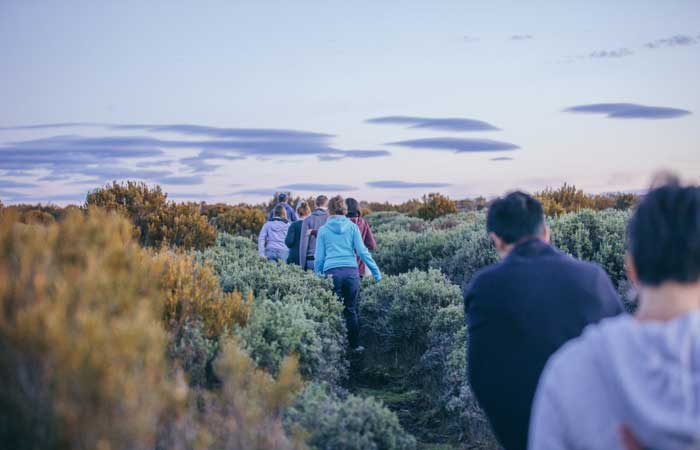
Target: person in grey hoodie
column 309, row 231
column 633, row 382
column 271, row 242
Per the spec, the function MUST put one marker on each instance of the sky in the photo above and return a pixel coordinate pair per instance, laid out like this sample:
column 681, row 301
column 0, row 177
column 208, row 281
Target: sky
column 235, row 100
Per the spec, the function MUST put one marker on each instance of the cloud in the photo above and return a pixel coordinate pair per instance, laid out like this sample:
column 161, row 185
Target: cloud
column 629, row 111
column 262, row 192
column 356, row 154
column 445, row 124
column 679, row 40
column 10, row 184
column 181, row 180
column 395, row 184
column 470, row 39
column 502, row 158
column 615, row 54
column 317, row 187
column 457, row 145
column 521, row 37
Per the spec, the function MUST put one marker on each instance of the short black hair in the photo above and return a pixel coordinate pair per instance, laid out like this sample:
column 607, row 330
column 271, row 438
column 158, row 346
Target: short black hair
column 515, row 217
column 282, row 197
column 354, row 209
column 663, row 235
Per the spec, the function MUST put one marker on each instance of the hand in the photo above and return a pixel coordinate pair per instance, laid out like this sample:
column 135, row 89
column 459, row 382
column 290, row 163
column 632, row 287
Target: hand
column 628, row 439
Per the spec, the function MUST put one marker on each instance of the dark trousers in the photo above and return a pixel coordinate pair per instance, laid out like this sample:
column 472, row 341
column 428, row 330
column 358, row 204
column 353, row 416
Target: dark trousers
column 346, row 285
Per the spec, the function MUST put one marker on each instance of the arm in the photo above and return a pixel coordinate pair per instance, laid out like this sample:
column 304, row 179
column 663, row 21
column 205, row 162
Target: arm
column 320, row 255
column 607, row 295
column 364, row 254
column 262, row 239
column 369, row 239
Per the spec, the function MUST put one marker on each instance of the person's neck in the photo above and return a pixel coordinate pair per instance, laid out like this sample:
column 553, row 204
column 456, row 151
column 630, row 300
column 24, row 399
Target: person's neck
column 508, row 249
column 325, row 208
column 667, row 301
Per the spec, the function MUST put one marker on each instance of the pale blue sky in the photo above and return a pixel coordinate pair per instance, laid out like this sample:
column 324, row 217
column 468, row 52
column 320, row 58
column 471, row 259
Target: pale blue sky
column 326, row 68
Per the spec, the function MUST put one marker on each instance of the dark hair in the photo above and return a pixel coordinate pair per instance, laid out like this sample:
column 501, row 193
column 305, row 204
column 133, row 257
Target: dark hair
column 515, row 217
column 282, row 197
column 336, row 206
column 353, row 207
column 280, row 211
column 663, row 235
column 321, row 200
column 303, row 209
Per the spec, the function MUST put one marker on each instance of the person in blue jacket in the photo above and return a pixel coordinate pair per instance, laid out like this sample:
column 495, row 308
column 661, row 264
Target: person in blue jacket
column 337, row 243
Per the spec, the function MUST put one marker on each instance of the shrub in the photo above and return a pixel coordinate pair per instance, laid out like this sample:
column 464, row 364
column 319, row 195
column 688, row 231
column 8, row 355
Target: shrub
column 81, row 362
column 241, row 221
column 193, row 352
column 396, row 315
column 442, row 378
column 570, row 199
column 244, row 413
column 158, row 221
column 353, row 423
column 435, row 205
column 279, row 289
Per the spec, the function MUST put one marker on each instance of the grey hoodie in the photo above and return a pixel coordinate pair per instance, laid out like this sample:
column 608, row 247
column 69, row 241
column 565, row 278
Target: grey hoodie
column 272, row 236
column 645, row 375
column 307, row 244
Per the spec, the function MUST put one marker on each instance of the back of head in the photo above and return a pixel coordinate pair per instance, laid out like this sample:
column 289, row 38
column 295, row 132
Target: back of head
column 353, row 207
column 282, row 197
column 303, row 209
column 321, row 201
column 663, row 235
column 516, row 217
column 336, row 206
column 280, row 212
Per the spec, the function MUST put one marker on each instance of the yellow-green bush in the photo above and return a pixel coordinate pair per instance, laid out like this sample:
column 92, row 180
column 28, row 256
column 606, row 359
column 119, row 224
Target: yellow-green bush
column 241, row 221
column 81, row 354
column 435, row 205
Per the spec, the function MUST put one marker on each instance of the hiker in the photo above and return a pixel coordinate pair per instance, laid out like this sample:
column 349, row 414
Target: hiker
column 339, row 240
column 522, row 309
column 293, row 238
column 309, row 230
column 271, row 243
column 355, row 216
column 633, row 382
column 282, row 199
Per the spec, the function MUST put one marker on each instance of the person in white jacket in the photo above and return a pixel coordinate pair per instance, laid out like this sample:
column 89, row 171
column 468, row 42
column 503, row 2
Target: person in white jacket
column 633, row 382
column 271, row 243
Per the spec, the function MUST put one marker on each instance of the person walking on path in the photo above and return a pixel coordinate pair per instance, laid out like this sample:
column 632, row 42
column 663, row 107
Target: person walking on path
column 271, row 242
column 522, row 309
column 355, row 216
column 282, row 199
column 309, row 231
column 293, row 238
column 339, row 240
column 633, row 382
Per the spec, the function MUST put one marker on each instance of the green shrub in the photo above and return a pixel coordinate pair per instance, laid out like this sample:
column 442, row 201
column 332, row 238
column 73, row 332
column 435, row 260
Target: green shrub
column 193, row 352
column 284, row 289
column 396, row 314
column 353, row 423
column 241, row 221
column 435, row 205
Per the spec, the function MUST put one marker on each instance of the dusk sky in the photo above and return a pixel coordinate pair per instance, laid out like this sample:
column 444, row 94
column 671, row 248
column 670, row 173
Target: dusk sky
column 232, row 100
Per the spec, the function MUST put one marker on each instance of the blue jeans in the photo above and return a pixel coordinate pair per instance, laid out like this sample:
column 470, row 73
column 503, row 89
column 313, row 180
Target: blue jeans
column 274, row 254
column 346, row 285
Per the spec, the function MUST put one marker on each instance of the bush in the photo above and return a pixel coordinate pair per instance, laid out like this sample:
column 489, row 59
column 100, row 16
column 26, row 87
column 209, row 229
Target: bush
column 158, row 221
column 241, row 221
column 193, row 352
column 435, row 205
column 286, row 294
column 353, row 423
column 441, row 376
column 82, row 364
column 244, row 413
column 396, row 315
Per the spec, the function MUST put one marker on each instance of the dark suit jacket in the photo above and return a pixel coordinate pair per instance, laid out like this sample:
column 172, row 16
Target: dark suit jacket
column 292, row 240
column 518, row 313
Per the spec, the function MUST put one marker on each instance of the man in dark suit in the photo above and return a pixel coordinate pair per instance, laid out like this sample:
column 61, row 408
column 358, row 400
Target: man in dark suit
column 522, row 309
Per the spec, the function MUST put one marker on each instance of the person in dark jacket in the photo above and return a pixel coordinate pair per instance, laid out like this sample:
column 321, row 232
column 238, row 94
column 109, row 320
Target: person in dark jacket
column 309, row 231
column 294, row 233
column 521, row 310
column 282, row 200
column 355, row 216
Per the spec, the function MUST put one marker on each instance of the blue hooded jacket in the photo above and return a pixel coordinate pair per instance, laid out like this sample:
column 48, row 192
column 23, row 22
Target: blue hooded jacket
column 338, row 241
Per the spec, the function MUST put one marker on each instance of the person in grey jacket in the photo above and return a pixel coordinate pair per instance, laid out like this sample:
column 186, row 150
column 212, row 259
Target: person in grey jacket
column 271, row 242
column 309, row 231
column 633, row 382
